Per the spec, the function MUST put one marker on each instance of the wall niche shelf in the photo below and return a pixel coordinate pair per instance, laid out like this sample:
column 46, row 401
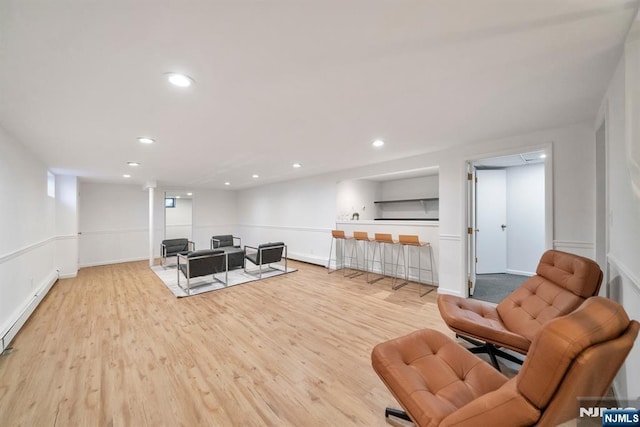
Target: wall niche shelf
column 427, row 212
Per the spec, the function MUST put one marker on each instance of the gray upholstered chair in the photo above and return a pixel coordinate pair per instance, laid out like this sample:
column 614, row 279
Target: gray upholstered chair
column 202, row 263
column 266, row 254
column 225, row 240
column 227, row 243
column 173, row 247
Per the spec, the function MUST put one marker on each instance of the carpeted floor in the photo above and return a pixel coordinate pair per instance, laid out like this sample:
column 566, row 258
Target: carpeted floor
column 495, row 287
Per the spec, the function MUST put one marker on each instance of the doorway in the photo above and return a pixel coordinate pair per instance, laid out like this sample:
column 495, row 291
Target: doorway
column 507, row 219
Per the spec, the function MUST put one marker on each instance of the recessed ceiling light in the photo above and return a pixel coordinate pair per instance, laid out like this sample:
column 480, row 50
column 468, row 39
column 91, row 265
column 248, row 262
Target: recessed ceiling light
column 180, row 80
column 378, row 143
column 297, row 165
column 255, row 175
column 189, row 194
column 145, row 140
column 177, row 197
column 543, row 156
column 126, row 175
column 133, row 163
column 227, row 183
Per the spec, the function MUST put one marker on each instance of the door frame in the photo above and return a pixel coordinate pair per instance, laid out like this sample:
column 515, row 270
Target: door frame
column 470, row 203
column 603, row 194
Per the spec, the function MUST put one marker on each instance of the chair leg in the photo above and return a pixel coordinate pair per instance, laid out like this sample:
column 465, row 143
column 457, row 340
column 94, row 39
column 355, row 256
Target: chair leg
column 396, row 413
column 491, row 350
column 487, row 348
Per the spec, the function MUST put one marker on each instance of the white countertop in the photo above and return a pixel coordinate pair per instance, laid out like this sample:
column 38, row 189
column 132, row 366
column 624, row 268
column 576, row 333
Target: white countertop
column 384, row 222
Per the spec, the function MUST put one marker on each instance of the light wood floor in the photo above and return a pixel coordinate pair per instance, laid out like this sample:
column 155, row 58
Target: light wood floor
column 115, row 347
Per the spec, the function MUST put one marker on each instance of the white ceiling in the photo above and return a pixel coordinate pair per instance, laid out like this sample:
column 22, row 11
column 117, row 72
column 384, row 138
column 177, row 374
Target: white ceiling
column 286, row 81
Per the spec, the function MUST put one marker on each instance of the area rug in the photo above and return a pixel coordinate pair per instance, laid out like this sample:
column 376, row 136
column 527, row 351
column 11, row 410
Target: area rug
column 199, row 285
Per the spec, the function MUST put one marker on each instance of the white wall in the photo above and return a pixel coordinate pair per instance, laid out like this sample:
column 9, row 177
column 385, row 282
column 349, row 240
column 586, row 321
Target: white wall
column 357, row 196
column 114, row 223
column 410, row 188
column 300, row 213
column 214, row 213
column 621, row 106
column 525, row 218
column 303, row 212
column 67, row 225
column 178, row 220
column 28, row 230
column 407, row 189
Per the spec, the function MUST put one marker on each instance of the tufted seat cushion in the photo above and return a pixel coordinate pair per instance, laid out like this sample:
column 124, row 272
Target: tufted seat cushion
column 562, row 282
column 479, row 320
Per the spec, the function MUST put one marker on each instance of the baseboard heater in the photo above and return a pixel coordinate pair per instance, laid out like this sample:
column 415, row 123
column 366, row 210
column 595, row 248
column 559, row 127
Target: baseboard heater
column 29, row 307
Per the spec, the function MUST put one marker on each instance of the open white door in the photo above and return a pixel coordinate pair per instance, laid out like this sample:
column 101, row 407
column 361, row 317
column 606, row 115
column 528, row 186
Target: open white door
column 491, row 221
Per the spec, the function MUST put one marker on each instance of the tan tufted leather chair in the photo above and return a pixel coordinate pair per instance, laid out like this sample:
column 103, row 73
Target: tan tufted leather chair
column 562, row 282
column 439, row 383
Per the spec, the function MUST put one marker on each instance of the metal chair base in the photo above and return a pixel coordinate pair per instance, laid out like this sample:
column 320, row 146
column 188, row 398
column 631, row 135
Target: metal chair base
column 396, row 413
column 493, row 351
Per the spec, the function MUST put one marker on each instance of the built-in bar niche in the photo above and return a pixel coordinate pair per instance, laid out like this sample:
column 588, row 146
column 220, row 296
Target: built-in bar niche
column 399, row 196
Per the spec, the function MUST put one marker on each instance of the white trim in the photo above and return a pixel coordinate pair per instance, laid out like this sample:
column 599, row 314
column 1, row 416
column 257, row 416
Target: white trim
column 572, row 244
column 284, row 227
column 450, row 292
column 306, row 258
column 451, row 237
column 205, row 226
column 418, row 223
column 67, row 237
column 118, row 231
column 618, row 265
column 521, row 273
column 11, row 255
column 13, row 325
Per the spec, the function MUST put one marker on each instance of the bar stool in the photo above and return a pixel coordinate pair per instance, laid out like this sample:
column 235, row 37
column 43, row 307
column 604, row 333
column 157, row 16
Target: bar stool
column 379, row 242
column 408, row 241
column 360, row 236
column 341, row 242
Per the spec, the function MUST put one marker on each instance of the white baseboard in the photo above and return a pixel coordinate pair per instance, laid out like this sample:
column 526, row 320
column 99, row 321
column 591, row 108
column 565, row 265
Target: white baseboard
column 68, row 276
column 113, row 261
column 450, row 292
column 308, row 258
column 22, row 315
column 521, row 273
